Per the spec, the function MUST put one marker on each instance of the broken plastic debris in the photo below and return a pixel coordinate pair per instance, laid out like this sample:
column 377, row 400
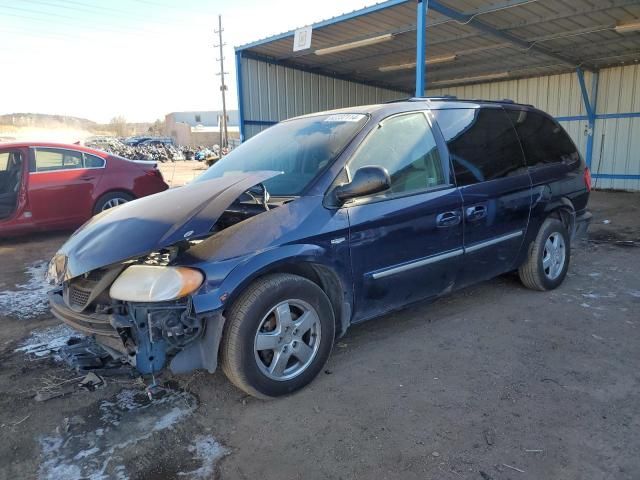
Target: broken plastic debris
column 92, row 381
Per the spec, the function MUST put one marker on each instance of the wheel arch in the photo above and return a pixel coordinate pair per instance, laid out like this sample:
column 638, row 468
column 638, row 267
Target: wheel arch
column 110, row 191
column 560, row 208
column 564, row 211
column 304, row 265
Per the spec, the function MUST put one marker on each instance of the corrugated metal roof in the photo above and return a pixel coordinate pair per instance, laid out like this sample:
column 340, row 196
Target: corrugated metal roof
column 581, row 31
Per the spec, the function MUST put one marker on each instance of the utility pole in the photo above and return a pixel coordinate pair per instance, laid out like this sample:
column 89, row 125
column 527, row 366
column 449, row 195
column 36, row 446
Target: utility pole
column 224, row 134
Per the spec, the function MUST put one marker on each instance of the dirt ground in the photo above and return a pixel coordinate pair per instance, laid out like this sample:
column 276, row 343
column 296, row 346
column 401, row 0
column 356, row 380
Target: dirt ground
column 177, row 174
column 492, row 382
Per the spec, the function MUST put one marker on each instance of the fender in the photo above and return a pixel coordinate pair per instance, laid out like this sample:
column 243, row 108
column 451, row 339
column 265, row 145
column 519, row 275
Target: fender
column 335, row 258
column 542, row 206
column 564, row 204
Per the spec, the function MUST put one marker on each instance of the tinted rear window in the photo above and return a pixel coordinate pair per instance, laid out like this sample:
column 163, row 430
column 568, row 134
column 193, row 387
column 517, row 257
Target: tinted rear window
column 482, row 143
column 543, row 140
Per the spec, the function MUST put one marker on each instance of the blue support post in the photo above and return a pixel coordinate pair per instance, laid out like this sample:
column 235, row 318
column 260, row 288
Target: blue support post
column 240, row 93
column 590, row 106
column 421, row 67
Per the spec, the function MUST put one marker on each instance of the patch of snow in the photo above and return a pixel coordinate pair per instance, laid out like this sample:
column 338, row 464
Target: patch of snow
column 590, row 295
column 28, row 300
column 47, row 341
column 207, row 450
column 170, row 418
column 126, row 420
column 634, row 293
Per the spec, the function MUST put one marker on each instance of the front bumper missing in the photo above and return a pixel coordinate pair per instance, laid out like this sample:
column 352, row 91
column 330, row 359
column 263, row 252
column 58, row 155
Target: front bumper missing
column 136, row 338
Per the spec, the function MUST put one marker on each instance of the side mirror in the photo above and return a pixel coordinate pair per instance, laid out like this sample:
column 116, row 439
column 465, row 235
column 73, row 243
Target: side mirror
column 366, row 181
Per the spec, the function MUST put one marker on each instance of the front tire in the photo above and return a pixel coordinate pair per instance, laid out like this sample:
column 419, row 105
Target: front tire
column 278, row 335
column 548, row 260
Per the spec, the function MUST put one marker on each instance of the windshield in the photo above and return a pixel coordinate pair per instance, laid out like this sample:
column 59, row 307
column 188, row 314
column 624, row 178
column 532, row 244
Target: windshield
column 300, row 148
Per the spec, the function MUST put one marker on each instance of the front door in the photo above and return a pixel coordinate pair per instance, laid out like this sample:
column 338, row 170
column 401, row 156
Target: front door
column 60, row 187
column 406, row 243
column 12, row 167
column 495, row 185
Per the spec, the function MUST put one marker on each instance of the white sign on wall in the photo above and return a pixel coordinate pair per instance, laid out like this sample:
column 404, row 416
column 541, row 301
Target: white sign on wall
column 302, row 39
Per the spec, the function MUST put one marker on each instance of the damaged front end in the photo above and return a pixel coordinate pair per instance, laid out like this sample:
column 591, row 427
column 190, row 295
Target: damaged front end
column 143, row 334
column 139, row 306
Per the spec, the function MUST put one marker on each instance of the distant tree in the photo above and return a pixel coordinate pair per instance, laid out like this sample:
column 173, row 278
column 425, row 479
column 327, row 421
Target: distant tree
column 157, row 127
column 119, row 125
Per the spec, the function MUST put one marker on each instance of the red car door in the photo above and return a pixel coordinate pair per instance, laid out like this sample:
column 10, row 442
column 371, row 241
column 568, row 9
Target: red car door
column 61, row 188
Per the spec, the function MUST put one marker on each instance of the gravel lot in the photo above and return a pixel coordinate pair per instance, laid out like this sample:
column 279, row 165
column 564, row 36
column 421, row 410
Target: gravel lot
column 492, row 382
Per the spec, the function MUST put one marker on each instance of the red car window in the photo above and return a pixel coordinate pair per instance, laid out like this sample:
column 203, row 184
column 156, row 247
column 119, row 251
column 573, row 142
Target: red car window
column 51, row 159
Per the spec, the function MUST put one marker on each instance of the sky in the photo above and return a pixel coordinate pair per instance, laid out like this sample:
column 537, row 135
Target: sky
column 141, row 59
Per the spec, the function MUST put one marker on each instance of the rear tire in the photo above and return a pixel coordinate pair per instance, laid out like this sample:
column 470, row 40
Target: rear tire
column 548, row 259
column 110, row 200
column 278, row 335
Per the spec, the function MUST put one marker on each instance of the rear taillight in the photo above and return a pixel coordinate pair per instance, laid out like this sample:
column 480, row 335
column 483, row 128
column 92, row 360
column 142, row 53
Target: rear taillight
column 153, row 173
column 587, row 178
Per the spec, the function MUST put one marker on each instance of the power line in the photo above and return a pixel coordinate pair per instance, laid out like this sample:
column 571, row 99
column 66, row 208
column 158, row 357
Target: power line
column 102, row 11
column 157, row 4
column 94, row 28
column 37, row 12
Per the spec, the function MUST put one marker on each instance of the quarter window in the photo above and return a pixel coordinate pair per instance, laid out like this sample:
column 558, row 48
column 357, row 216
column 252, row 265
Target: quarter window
column 543, row 140
column 93, row 161
column 482, row 143
column 406, row 147
column 51, row 159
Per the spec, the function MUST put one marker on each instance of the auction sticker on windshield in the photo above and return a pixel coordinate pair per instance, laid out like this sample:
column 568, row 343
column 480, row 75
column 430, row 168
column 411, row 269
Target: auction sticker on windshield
column 345, row 117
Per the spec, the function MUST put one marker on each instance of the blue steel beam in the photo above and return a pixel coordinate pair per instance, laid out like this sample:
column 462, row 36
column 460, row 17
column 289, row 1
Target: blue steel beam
column 421, row 51
column 240, row 93
column 486, row 28
column 590, row 107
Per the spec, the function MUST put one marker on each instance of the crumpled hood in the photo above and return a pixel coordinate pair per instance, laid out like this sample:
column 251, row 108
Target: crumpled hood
column 154, row 222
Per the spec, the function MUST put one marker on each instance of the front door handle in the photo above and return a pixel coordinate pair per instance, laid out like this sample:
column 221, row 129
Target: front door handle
column 448, row 219
column 476, row 212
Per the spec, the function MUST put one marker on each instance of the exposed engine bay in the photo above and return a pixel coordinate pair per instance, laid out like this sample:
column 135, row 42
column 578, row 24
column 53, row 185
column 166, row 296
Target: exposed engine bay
column 147, row 334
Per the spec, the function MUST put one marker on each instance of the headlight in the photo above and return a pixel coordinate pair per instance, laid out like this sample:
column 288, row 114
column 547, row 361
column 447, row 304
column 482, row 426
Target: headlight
column 57, row 269
column 146, row 283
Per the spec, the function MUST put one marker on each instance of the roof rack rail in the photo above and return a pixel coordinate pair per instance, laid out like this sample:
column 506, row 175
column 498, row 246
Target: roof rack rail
column 398, row 100
column 434, row 97
column 421, row 99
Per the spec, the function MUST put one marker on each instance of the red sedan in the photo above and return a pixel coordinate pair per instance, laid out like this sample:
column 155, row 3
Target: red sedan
column 56, row 186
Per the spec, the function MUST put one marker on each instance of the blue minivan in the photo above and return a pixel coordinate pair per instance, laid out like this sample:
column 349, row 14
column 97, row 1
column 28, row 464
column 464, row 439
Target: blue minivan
column 320, row 222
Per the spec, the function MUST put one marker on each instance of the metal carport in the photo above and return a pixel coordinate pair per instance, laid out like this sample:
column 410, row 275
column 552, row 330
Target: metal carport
column 576, row 59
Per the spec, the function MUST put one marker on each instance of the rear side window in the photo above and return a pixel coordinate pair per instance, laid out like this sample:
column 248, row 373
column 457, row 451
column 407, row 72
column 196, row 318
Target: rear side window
column 406, row 147
column 482, row 143
column 93, row 161
column 52, row 159
column 543, row 140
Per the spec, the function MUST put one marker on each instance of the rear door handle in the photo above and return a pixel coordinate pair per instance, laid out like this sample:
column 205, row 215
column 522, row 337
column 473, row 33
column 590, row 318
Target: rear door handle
column 448, row 219
column 87, row 179
column 476, row 212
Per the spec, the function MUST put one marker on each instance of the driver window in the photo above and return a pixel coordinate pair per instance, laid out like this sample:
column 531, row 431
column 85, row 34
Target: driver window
column 406, row 147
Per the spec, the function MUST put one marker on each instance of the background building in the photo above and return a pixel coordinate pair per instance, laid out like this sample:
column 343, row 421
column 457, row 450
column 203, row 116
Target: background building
column 200, row 128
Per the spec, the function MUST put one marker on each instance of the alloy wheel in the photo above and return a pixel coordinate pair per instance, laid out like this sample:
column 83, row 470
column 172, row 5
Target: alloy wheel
column 554, row 255
column 114, row 202
column 287, row 340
